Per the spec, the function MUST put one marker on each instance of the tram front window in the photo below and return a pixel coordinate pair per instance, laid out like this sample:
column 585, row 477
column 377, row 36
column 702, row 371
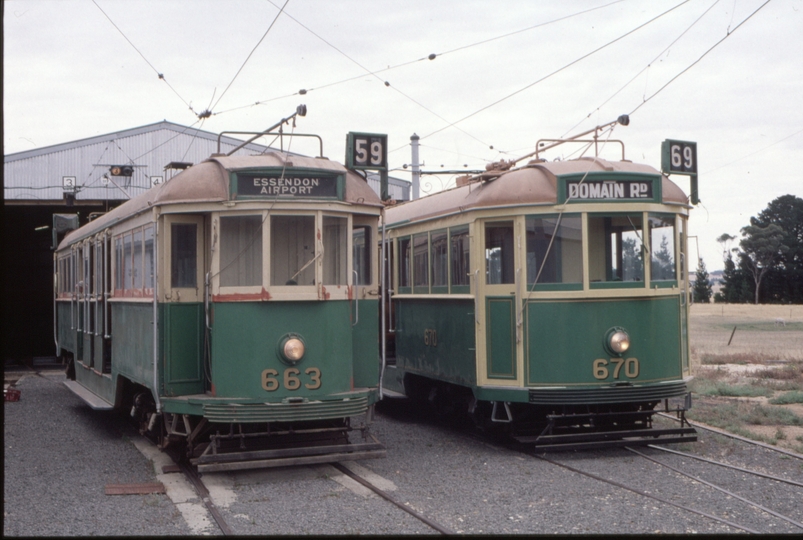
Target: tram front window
column 240, row 251
column 335, row 246
column 615, row 248
column 292, row 250
column 554, row 249
column 662, row 248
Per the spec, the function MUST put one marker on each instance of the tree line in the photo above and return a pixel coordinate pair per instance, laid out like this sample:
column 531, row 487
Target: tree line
column 766, row 266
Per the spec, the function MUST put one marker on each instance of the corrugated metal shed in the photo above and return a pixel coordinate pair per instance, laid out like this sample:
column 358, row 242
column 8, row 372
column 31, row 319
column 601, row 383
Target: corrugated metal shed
column 38, row 175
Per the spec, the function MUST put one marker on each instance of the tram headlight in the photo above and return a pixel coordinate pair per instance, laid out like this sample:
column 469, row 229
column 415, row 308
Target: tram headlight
column 291, row 348
column 617, row 341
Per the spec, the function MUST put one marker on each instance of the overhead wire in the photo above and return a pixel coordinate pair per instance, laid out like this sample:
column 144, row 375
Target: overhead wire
column 527, row 87
column 281, row 10
column 160, row 74
column 753, row 153
column 727, row 35
column 429, row 57
column 649, row 64
column 369, row 72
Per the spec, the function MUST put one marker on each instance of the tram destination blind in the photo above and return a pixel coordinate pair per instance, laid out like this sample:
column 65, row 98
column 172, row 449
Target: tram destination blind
column 296, row 185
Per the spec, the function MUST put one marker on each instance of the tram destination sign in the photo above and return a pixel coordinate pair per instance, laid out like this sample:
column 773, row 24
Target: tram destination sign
column 584, row 190
column 290, row 185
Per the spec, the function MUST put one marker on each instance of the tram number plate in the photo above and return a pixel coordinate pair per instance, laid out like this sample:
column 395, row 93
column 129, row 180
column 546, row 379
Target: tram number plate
column 602, row 368
column 290, row 379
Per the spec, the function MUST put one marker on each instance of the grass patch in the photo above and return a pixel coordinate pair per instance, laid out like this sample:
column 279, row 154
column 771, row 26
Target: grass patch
column 786, row 373
column 795, row 396
column 772, row 416
column 729, row 417
column 707, row 387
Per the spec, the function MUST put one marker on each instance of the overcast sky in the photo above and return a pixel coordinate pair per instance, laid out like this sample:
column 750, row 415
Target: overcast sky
column 507, row 73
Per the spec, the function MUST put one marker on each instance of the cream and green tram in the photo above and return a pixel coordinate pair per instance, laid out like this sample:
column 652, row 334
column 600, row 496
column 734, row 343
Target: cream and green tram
column 233, row 310
column 549, row 300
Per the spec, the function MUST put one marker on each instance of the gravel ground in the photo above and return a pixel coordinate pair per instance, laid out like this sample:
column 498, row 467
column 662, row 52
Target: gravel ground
column 60, row 454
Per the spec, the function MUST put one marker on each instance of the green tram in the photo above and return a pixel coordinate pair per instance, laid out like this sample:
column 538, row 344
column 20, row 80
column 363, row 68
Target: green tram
column 233, row 309
column 548, row 300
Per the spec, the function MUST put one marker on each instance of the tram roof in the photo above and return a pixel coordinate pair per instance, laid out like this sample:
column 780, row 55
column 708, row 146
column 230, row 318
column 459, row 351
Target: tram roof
column 535, row 183
column 208, row 182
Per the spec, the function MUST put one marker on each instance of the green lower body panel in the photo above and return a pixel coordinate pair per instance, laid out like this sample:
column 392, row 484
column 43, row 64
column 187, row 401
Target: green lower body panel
column 566, row 342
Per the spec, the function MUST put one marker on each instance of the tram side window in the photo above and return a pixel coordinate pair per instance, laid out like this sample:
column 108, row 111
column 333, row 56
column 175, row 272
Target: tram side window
column 683, row 246
column 554, row 249
column 129, row 270
column 421, row 260
column 183, row 255
column 335, row 250
column 240, row 251
column 136, row 278
column 404, row 262
column 499, row 252
column 361, row 254
column 149, row 260
column 292, row 250
column 99, row 267
column 119, row 264
column 615, row 248
column 440, row 260
column 662, row 248
column 459, row 255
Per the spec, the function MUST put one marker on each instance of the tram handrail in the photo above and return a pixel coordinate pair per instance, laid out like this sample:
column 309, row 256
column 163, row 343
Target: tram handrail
column 55, row 304
column 356, row 299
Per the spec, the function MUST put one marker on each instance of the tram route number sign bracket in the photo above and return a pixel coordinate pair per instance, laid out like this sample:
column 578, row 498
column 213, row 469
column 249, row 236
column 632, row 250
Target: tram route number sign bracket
column 680, row 157
column 369, row 151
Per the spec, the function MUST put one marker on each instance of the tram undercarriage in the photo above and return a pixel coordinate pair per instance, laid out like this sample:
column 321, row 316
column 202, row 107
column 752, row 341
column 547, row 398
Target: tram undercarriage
column 577, row 429
column 213, row 446
column 551, row 428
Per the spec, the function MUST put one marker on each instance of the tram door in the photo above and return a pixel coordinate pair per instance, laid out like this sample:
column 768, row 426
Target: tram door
column 183, row 320
column 500, row 300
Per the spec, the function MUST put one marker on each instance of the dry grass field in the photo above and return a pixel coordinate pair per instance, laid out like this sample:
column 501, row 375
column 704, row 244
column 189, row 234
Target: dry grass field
column 748, row 367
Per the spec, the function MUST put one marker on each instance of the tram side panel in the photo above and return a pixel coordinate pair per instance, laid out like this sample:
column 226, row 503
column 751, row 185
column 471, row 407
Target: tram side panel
column 365, row 343
column 436, row 338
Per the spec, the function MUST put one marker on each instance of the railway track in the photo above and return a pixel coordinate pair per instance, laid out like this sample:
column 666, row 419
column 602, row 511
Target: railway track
column 196, row 481
column 760, row 511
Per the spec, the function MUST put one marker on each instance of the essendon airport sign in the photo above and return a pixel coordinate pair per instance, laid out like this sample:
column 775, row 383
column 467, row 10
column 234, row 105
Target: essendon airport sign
column 268, row 185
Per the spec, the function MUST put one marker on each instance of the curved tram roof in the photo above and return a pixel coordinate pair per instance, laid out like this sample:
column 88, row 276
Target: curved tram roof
column 534, row 184
column 208, row 182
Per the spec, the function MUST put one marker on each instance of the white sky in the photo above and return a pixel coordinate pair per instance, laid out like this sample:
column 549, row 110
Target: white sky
column 70, row 74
